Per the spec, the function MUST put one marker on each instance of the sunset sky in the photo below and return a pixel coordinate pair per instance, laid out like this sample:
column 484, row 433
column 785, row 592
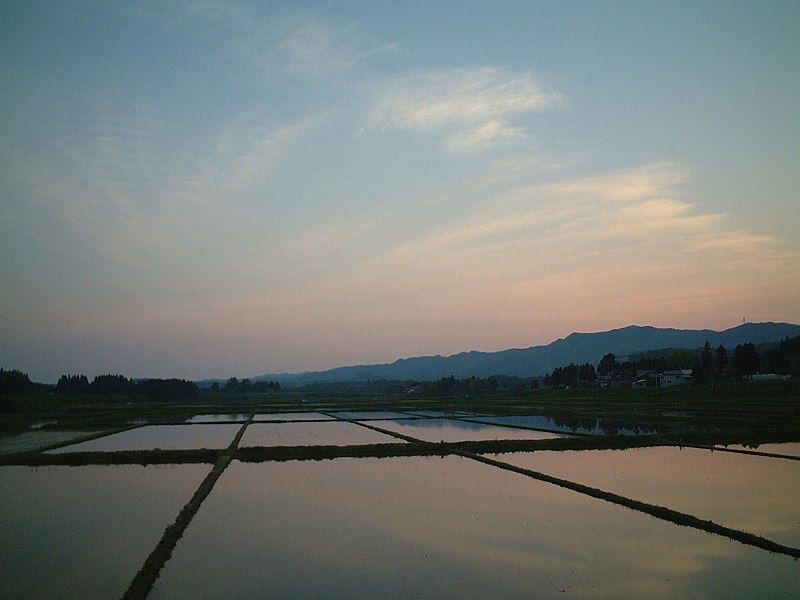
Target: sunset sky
column 202, row 189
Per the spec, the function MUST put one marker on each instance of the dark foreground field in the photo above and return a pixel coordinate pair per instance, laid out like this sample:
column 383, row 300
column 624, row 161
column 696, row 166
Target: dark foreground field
column 704, row 459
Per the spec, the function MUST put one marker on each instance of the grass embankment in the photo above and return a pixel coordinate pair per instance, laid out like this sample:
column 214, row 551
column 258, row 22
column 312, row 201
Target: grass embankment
column 146, row 577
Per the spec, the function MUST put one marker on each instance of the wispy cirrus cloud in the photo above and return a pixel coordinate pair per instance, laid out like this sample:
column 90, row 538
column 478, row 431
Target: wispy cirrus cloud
column 472, row 108
column 316, row 47
column 572, row 248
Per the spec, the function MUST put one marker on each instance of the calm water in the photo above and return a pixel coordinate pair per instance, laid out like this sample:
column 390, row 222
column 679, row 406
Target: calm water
column 84, row 532
column 441, row 413
column 165, row 437
column 752, row 493
column 33, row 440
column 575, row 425
column 240, row 417
column 312, row 434
column 444, row 528
column 375, row 414
column 291, row 416
column 446, row 430
column 787, row 449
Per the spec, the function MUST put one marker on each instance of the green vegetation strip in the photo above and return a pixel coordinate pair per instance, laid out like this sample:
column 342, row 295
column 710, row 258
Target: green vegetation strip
column 659, row 512
column 147, row 575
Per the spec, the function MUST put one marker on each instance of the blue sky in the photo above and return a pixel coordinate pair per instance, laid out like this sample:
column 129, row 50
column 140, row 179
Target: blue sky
column 210, row 189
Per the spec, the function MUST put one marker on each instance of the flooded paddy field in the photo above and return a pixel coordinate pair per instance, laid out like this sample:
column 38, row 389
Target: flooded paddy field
column 311, row 434
column 369, row 415
column 219, row 417
column 579, row 426
column 37, row 439
column 449, row 430
column 786, row 449
column 84, row 532
column 366, row 514
column 756, row 494
column 443, row 527
column 292, row 416
column 165, row 437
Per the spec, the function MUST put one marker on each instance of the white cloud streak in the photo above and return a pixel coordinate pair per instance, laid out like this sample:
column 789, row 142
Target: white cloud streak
column 471, row 107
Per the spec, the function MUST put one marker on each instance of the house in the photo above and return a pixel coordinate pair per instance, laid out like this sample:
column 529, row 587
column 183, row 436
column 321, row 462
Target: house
column 673, row 378
column 646, row 379
column 769, row 377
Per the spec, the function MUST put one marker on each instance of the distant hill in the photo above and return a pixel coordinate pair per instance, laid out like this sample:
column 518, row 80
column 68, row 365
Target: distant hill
column 538, row 360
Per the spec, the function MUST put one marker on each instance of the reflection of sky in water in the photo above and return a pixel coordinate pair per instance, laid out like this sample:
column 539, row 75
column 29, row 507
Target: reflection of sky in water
column 574, row 425
column 33, row 440
column 448, row 430
column 335, row 433
column 84, row 532
column 445, row 528
column 165, row 437
column 371, row 415
column 753, row 493
column 40, row 424
column 218, row 417
column 787, row 449
column 291, row 416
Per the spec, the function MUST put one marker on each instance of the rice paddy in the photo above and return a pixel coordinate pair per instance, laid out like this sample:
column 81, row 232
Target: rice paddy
column 394, row 503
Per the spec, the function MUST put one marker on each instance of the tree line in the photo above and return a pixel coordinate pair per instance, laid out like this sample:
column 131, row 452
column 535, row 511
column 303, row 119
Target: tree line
column 707, row 366
column 246, row 386
column 156, row 390
column 14, row 382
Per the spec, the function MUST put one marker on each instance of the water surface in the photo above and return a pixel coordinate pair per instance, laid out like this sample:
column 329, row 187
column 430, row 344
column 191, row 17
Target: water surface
column 371, row 414
column 787, row 449
column 84, row 532
column 33, row 440
column 215, row 418
column 574, row 425
column 755, row 494
column 447, row 430
column 165, row 437
column 292, row 416
column 444, row 528
column 312, row 434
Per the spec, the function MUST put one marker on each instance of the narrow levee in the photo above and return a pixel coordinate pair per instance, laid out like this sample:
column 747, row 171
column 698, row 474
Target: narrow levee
column 146, row 577
column 660, row 512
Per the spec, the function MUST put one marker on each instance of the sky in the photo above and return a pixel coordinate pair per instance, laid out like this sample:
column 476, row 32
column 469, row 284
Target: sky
column 211, row 189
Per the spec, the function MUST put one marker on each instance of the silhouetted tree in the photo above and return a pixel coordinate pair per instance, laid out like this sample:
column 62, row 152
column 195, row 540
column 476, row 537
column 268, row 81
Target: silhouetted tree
column 721, row 359
column 608, row 364
column 698, row 373
column 14, row 382
column 745, row 359
column 110, row 384
column 168, row 390
column 73, row 384
column 785, row 359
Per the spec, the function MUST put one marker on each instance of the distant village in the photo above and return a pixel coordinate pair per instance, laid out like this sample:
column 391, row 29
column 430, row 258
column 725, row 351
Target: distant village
column 670, row 368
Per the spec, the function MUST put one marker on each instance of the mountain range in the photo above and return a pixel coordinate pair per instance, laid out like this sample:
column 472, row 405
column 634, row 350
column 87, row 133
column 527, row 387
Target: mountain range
column 538, row 360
